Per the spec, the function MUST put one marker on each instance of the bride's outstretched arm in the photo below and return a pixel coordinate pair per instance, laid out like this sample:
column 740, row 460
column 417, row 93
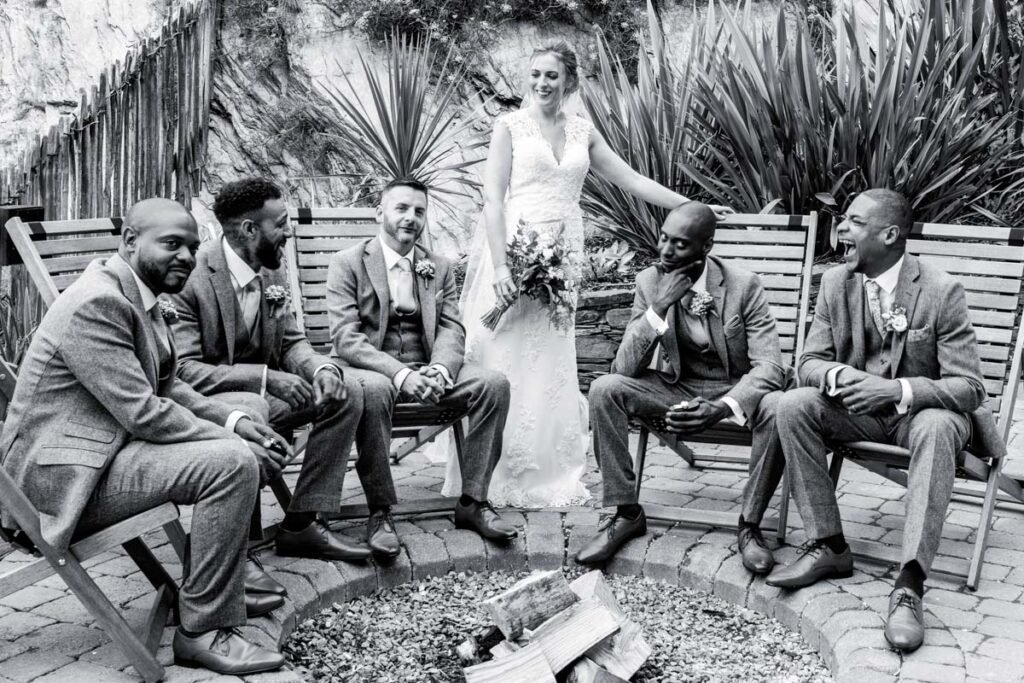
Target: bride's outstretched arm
column 612, row 168
column 496, row 177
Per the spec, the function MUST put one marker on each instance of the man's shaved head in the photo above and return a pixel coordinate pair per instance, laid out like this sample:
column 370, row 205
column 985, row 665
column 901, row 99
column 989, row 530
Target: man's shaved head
column 159, row 239
column 687, row 236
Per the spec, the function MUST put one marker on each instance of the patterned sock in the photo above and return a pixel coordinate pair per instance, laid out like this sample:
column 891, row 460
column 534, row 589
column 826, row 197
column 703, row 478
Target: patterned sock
column 836, row 544
column 912, row 577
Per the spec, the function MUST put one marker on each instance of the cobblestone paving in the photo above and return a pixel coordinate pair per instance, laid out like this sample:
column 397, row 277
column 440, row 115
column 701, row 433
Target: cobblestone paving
column 47, row 636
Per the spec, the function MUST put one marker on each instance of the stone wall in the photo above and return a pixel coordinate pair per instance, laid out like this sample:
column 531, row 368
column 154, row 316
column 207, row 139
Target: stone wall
column 601, row 317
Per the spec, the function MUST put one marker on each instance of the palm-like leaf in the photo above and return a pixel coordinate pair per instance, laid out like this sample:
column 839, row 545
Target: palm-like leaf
column 411, row 128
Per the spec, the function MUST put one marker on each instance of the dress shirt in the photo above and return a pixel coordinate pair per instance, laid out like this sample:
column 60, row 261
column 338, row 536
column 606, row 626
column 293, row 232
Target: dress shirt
column 661, row 326
column 886, row 282
column 242, row 276
column 149, row 302
column 391, row 259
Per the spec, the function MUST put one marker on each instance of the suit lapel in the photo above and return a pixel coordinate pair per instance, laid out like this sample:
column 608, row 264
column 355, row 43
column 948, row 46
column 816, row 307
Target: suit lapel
column 373, row 261
column 428, row 304
column 716, row 329
column 220, row 279
column 905, row 295
column 268, row 322
column 855, row 313
column 131, row 290
column 671, row 341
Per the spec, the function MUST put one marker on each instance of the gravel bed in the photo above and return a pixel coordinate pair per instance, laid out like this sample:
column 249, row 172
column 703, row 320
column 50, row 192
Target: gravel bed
column 409, row 634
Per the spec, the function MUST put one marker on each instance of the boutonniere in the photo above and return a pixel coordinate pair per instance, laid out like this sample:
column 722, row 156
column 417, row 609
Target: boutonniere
column 278, row 298
column 895, row 320
column 701, row 304
column 425, row 268
column 167, row 310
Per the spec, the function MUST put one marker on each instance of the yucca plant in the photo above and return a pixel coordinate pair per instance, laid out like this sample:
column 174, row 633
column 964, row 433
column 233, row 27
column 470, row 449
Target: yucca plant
column 413, row 123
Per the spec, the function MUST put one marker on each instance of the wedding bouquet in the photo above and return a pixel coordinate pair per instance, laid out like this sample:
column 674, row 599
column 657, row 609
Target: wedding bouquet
column 538, row 263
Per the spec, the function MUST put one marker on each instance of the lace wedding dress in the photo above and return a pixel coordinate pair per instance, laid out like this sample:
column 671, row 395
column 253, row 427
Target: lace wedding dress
column 546, row 436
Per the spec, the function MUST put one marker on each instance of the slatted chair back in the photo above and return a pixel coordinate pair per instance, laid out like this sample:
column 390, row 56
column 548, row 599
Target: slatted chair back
column 56, row 252
column 139, row 647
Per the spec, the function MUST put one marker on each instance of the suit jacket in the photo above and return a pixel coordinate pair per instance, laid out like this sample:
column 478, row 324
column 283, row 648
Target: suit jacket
column 359, row 303
column 89, row 383
column 205, row 330
column 742, row 332
column 937, row 355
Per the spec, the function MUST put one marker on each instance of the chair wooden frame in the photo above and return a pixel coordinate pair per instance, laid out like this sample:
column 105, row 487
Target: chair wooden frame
column 318, row 235
column 989, row 262
column 139, row 648
column 780, row 249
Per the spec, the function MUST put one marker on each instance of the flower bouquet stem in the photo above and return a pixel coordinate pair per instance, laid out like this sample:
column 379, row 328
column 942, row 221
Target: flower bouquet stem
column 492, row 317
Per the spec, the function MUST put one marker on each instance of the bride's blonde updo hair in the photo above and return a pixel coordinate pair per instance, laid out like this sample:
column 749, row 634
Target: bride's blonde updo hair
column 567, row 57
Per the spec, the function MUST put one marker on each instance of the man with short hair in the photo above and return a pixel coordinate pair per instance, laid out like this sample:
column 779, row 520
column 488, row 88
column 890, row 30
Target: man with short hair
column 701, row 347
column 891, row 357
column 393, row 313
column 101, row 429
column 240, row 341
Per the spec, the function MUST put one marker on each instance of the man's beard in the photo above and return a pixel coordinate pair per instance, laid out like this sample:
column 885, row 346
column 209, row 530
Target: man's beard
column 156, row 278
column 269, row 255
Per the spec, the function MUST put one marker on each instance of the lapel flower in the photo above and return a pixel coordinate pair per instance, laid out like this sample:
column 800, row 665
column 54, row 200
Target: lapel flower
column 276, row 295
column 167, row 310
column 425, row 268
column 700, row 304
column 895, row 320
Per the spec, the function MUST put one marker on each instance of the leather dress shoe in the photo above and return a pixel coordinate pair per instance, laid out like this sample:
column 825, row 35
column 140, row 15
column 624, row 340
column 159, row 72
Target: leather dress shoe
column 611, row 535
column 816, row 562
column 481, row 518
column 317, row 541
column 756, row 555
column 381, row 536
column 258, row 604
column 258, row 581
column 224, row 651
column 904, row 628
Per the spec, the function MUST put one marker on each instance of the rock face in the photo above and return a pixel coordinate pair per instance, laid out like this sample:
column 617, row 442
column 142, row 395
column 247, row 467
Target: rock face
column 51, row 49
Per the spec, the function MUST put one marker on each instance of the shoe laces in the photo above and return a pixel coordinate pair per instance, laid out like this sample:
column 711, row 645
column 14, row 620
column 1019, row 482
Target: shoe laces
column 756, row 536
column 811, row 547
column 220, row 641
column 382, row 518
column 905, row 599
column 254, row 557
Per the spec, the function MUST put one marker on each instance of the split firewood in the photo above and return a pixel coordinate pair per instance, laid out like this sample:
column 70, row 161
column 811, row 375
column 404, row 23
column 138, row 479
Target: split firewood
column 573, row 631
column 504, row 649
column 593, row 585
column 586, row 671
column 525, row 665
column 530, row 602
column 623, row 653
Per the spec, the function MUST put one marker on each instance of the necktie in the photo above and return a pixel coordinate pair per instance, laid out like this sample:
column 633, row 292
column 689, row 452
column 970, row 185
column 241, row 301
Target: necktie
column 251, row 295
column 874, row 303
column 405, row 297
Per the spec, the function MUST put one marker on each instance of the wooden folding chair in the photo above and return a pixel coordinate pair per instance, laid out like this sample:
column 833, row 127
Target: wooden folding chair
column 780, row 249
column 319, row 234
column 989, row 262
column 139, row 647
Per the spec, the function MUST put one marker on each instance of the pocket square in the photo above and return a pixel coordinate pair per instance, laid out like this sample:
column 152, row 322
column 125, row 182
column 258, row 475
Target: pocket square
column 919, row 334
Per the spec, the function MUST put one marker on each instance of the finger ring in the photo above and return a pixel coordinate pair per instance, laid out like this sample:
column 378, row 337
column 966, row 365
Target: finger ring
column 267, row 443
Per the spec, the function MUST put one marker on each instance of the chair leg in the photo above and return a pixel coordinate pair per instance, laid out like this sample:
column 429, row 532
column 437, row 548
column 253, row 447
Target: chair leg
column 178, row 538
column 641, row 455
column 151, row 567
column 835, row 467
column 780, row 532
column 459, row 432
column 988, row 507
column 281, row 492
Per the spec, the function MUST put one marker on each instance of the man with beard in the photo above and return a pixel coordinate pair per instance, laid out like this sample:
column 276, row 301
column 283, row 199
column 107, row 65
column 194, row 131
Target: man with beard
column 891, row 357
column 239, row 341
column 100, row 429
column 701, row 347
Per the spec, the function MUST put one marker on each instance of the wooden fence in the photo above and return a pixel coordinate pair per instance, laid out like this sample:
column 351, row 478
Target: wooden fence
column 140, row 132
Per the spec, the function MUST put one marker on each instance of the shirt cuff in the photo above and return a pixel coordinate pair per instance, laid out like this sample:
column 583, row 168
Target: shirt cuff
column 263, row 383
column 830, row 380
column 738, row 416
column 233, row 419
column 448, row 383
column 327, row 366
column 660, row 326
column 908, row 397
column 399, row 378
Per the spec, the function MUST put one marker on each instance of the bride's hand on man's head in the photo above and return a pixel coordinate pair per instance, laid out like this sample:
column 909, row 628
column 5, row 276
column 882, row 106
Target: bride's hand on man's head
column 721, row 211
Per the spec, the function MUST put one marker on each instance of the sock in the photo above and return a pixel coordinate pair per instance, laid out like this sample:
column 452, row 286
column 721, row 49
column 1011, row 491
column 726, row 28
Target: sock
column 629, row 511
column 190, row 634
column 912, row 577
column 745, row 523
column 836, row 544
column 297, row 521
column 466, row 501
column 379, row 508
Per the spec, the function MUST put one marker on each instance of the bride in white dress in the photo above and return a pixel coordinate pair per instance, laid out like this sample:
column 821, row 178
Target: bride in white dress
column 535, row 169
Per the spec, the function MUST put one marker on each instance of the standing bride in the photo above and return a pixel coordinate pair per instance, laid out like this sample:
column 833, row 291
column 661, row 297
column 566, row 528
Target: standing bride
column 535, row 169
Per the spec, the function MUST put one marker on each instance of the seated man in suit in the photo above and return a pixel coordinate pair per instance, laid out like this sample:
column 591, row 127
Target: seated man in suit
column 701, row 347
column 239, row 340
column 101, row 429
column 891, row 357
column 393, row 311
